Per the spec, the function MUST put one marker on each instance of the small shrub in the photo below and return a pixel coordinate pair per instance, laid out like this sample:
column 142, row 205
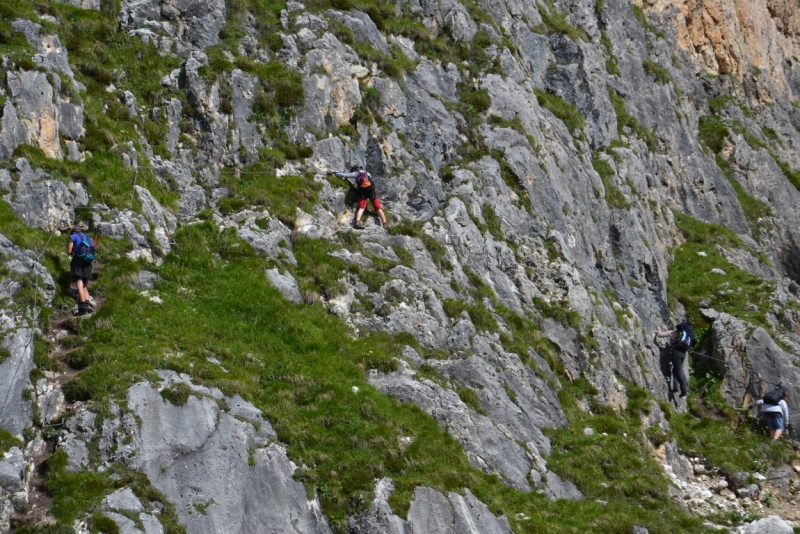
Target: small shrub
column 614, row 196
column 177, row 395
column 712, row 133
column 625, row 119
column 555, row 22
column 470, row 398
column 562, row 109
column 661, row 74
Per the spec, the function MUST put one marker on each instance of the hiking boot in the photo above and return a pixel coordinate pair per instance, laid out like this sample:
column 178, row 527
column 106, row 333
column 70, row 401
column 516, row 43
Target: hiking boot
column 683, row 394
column 359, row 225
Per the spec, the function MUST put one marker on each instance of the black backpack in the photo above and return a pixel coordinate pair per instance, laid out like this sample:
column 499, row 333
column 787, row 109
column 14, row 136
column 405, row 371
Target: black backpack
column 86, row 249
column 774, row 396
column 687, row 340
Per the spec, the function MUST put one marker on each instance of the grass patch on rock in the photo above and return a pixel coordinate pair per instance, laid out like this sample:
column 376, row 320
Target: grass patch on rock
column 614, row 196
column 281, row 196
column 691, row 278
column 625, row 119
column 562, row 109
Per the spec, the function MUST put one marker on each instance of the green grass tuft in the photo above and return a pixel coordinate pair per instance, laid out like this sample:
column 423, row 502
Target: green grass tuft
column 712, row 133
column 614, row 196
column 555, row 22
column 562, row 109
column 625, row 119
column 661, row 74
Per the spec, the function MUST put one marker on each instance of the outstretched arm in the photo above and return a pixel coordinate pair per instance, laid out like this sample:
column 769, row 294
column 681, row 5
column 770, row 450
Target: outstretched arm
column 663, row 333
column 346, row 175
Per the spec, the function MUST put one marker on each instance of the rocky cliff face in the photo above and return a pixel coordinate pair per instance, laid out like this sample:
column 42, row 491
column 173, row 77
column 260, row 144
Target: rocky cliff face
column 543, row 167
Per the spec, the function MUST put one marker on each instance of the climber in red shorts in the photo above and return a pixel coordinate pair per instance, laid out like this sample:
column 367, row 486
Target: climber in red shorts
column 365, row 187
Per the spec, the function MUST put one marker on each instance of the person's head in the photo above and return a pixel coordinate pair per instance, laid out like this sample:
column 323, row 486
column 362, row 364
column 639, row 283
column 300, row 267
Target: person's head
column 77, row 229
column 355, row 168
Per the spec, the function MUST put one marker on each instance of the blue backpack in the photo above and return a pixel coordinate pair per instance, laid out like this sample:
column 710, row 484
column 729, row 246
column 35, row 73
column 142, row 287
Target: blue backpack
column 686, row 337
column 85, row 251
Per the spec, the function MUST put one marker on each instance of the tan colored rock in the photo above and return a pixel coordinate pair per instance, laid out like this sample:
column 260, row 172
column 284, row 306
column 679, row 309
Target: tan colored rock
column 732, row 36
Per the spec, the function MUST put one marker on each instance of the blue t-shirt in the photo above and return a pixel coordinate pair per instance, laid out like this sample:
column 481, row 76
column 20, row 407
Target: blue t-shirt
column 76, row 241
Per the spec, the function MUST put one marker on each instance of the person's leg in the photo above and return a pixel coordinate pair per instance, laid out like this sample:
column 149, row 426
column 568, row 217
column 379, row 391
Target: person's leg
column 83, row 293
column 678, row 358
column 779, row 427
column 376, row 203
column 362, row 205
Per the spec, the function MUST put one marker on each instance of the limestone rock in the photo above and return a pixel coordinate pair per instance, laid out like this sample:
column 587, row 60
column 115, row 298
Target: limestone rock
column 123, row 500
column 430, row 512
column 286, row 284
column 12, row 470
column 244, row 480
column 42, row 201
column 770, row 525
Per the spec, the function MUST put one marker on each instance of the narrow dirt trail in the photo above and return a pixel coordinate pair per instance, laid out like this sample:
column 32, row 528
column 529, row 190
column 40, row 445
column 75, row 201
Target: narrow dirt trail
column 63, row 335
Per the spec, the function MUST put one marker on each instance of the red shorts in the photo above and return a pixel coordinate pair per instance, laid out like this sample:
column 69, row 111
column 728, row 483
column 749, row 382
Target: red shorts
column 376, row 203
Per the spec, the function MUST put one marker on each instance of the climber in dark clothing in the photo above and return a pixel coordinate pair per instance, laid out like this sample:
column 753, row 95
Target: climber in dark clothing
column 365, row 189
column 80, row 268
column 678, row 357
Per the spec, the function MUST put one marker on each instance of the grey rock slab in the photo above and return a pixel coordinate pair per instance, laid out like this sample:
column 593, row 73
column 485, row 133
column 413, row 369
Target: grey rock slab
column 123, row 500
column 332, row 97
column 474, row 517
column 218, row 461
column 431, row 512
column 495, row 372
column 70, row 120
column 393, row 101
column 49, row 399
column 12, row 469
column 679, row 464
column 286, row 284
column 17, row 412
column 274, row 241
column 50, row 54
column 558, row 488
column 41, row 201
column 404, row 273
column 125, row 524
column 780, row 478
column 12, row 131
column 364, row 29
column 353, row 258
column 243, row 89
column 487, row 448
column 770, row 525
column 199, row 20
column 146, row 280
column 151, row 524
column 744, row 260
column 32, row 96
column 433, row 131
column 438, row 80
column 77, row 451
column 163, row 221
column 376, row 249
